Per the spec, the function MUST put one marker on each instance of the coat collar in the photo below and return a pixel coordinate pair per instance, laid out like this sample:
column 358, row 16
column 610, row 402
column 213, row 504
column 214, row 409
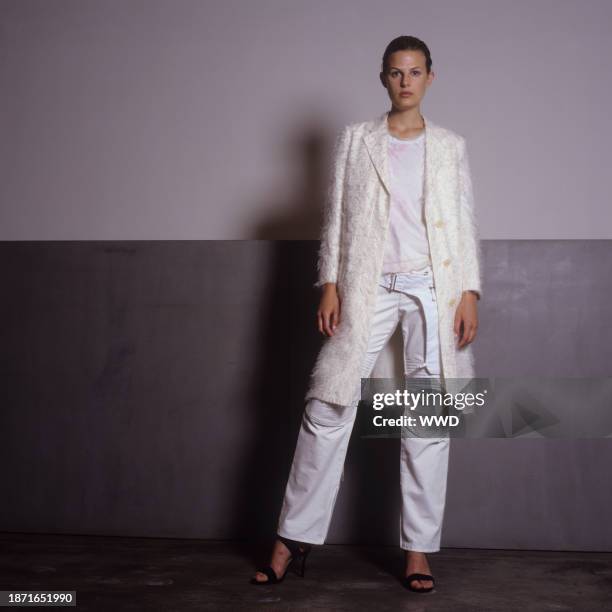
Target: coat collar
column 376, row 143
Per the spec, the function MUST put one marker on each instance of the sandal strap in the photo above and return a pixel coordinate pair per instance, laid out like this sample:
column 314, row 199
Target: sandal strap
column 293, row 546
column 270, row 573
column 419, row 577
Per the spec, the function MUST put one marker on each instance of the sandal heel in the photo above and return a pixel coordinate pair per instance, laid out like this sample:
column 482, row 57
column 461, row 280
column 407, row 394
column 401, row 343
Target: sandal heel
column 299, row 552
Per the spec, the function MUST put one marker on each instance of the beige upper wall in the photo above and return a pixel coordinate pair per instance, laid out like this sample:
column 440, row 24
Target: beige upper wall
column 172, row 119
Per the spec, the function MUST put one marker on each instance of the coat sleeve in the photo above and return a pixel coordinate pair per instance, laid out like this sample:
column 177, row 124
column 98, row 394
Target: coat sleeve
column 469, row 234
column 329, row 249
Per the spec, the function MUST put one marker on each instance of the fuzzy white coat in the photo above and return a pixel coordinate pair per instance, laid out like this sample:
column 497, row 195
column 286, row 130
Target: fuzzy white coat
column 356, row 218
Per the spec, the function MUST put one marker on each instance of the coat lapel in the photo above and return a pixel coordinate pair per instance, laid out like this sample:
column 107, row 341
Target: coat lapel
column 376, row 143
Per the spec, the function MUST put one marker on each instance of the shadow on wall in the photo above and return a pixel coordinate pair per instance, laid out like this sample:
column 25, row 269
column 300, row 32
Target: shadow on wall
column 288, row 341
column 300, row 217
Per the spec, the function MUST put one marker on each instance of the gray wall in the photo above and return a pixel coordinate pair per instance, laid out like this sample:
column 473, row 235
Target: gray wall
column 196, row 119
column 156, row 340
column 155, row 389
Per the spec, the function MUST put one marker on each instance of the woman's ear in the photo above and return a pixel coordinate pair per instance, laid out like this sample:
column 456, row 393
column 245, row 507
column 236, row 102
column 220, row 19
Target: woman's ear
column 381, row 75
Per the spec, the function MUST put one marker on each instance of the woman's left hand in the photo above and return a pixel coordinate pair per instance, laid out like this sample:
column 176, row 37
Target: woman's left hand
column 466, row 319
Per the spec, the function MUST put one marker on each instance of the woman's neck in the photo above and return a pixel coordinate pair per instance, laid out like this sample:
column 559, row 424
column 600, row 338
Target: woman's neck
column 405, row 124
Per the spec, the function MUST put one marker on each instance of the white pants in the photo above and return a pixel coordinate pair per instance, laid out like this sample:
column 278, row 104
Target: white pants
column 318, row 462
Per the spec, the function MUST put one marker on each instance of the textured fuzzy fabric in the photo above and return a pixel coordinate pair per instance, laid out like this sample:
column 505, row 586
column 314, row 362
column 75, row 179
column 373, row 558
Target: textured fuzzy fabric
column 351, row 252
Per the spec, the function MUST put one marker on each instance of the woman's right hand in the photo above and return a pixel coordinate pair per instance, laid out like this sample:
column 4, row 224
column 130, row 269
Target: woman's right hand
column 328, row 314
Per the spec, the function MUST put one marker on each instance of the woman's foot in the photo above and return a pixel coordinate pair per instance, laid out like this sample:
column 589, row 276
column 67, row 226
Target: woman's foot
column 281, row 557
column 416, row 563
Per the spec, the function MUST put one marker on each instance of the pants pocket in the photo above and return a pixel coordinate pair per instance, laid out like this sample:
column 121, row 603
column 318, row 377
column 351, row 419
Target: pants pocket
column 328, row 415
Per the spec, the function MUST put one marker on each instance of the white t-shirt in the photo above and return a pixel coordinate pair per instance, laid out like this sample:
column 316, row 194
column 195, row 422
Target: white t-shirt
column 407, row 247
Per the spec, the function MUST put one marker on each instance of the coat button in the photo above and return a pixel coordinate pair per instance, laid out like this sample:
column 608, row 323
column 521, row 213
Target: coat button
column 452, row 302
column 446, row 262
column 439, row 223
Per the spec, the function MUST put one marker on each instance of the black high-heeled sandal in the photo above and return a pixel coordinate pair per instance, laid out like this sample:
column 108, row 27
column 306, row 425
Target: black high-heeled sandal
column 298, row 550
column 408, row 579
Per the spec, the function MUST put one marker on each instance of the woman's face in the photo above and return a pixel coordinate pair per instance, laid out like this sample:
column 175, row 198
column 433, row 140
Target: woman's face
column 405, row 74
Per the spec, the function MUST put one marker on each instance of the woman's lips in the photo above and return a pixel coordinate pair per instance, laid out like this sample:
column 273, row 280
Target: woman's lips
column 406, row 94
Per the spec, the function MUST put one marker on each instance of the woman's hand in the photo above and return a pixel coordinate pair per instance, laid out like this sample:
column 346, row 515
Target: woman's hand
column 328, row 314
column 466, row 318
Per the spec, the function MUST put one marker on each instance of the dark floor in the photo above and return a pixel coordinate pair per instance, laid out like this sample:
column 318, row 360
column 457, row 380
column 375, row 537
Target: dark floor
column 112, row 573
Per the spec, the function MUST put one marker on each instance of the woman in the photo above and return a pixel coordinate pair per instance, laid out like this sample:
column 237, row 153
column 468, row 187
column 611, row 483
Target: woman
column 399, row 246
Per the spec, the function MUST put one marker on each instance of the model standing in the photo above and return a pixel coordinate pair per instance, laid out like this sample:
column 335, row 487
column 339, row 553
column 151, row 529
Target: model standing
column 399, row 246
